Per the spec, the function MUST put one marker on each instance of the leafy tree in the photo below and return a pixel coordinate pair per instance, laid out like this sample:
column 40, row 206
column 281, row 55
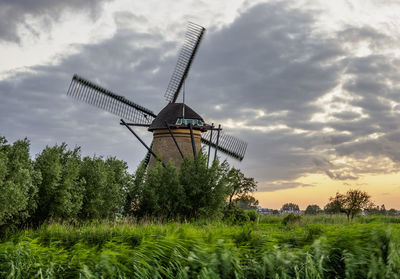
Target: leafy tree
column 94, row 173
column 335, row 204
column 192, row 191
column 161, row 194
column 246, row 202
column 382, row 210
column 290, row 207
column 312, row 209
column 119, row 181
column 204, row 188
column 352, row 202
column 392, row 212
column 134, row 192
column 239, row 189
column 18, row 183
column 106, row 183
column 379, row 210
column 61, row 189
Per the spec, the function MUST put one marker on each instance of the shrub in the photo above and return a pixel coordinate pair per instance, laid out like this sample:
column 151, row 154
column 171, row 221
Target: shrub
column 291, row 219
column 253, row 215
column 18, row 184
column 235, row 215
column 191, row 192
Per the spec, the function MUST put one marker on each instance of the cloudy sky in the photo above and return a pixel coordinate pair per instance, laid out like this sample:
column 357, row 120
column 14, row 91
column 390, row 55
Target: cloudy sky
column 312, row 86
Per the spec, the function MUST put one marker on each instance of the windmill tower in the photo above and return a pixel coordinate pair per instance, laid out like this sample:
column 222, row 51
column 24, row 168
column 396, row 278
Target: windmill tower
column 170, row 124
column 178, row 131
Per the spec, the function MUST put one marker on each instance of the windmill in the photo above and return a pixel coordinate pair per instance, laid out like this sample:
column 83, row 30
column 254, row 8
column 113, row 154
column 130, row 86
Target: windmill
column 177, row 129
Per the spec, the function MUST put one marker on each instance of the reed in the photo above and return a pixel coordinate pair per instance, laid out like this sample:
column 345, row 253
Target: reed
column 315, row 247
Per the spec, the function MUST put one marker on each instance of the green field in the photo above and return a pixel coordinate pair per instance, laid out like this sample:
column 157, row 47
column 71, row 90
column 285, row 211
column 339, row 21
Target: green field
column 315, row 247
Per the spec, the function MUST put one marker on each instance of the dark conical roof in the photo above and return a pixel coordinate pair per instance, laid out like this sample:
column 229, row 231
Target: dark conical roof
column 171, row 113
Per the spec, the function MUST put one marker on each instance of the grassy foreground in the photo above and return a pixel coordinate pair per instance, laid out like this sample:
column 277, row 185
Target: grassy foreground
column 316, row 247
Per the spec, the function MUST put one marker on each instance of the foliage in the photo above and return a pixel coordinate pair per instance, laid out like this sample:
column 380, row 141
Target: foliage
column 61, row 189
column 119, row 181
column 235, row 215
column 291, row 219
column 312, row 209
column 253, row 215
column 351, row 203
column 106, row 183
column 58, row 185
column 240, row 189
column 18, row 183
column 193, row 191
column 392, row 212
column 134, row 191
column 334, row 206
column 290, row 207
column 379, row 210
column 246, row 202
column 309, row 249
column 204, row 188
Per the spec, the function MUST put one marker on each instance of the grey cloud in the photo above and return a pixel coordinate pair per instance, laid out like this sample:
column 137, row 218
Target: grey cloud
column 14, row 13
column 340, row 175
column 368, row 34
column 36, row 104
column 347, row 115
column 271, row 187
column 268, row 59
column 386, row 146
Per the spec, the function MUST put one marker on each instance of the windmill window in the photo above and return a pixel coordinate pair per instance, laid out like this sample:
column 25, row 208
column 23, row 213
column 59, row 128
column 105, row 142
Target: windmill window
column 189, row 121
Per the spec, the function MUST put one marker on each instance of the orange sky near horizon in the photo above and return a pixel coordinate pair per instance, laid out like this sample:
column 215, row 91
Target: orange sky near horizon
column 384, row 189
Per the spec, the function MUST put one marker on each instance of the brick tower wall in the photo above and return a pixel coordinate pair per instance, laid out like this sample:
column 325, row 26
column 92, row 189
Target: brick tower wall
column 164, row 146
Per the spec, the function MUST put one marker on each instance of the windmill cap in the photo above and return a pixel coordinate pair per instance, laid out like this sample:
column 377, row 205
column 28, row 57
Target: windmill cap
column 170, row 114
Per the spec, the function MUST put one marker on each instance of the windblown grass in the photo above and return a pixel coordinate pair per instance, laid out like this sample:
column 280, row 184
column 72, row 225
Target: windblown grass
column 317, row 247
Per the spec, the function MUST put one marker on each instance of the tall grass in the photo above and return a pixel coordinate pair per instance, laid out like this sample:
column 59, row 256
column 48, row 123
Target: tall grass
column 317, row 247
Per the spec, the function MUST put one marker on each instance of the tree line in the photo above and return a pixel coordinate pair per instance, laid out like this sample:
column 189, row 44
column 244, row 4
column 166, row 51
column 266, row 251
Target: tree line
column 60, row 184
column 351, row 203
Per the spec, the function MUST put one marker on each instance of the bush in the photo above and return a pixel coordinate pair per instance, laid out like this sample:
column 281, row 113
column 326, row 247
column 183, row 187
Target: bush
column 253, row 215
column 18, row 184
column 291, row 219
column 190, row 192
column 236, row 215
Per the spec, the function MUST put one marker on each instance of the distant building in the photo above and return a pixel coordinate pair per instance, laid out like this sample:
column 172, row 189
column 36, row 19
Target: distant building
column 266, row 211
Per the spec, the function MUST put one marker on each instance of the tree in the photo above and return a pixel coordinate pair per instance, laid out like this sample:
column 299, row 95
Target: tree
column 18, row 183
column 383, row 210
column 190, row 192
column 119, row 181
column 392, row 212
column 61, row 189
column 351, row 203
column 335, row 204
column 240, row 188
column 204, row 187
column 246, row 202
column 377, row 210
column 312, row 209
column 105, row 186
column 161, row 194
column 355, row 201
column 134, row 192
column 290, row 207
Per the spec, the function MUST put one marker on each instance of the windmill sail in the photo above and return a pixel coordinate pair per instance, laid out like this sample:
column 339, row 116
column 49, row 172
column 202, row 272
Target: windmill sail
column 91, row 93
column 227, row 144
column 194, row 35
column 146, row 159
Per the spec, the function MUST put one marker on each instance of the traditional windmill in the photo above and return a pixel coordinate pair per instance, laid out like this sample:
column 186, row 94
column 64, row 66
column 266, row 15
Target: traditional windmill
column 178, row 130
